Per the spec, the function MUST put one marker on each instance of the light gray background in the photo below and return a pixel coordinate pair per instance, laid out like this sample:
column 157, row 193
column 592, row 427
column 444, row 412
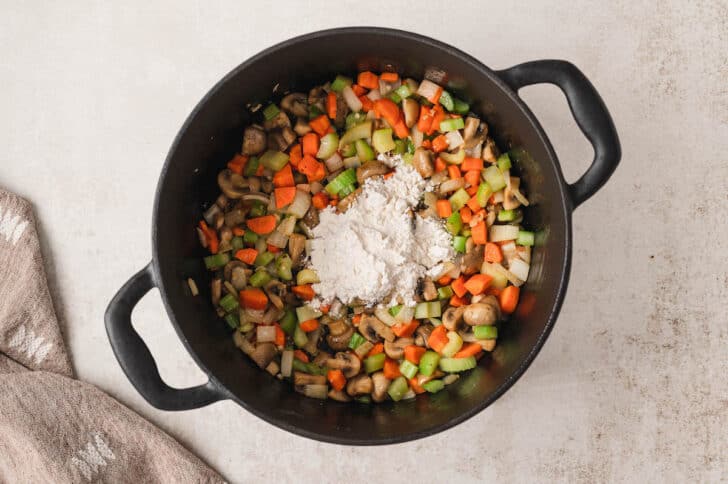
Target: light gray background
column 631, row 385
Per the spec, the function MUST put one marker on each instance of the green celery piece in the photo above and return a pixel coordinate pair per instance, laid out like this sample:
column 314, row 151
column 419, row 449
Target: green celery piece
column 398, row 388
column 284, row 266
column 356, row 341
column 232, row 320
column 485, row 332
column 454, row 223
column 459, row 199
column 504, row 162
column 340, row 83
column 264, row 258
column 270, row 112
column 508, row 215
column 461, row 107
column 288, row 322
column 216, row 261
column 525, row 238
column 433, row 386
column 329, row 145
column 259, row 278
column 228, row 303
column 458, row 243
column 274, row 160
column 447, row 101
column 407, row 368
column 251, row 166
column 342, row 180
column 374, row 362
column 429, row 362
column 364, row 151
column 444, row 292
column 382, row 140
column 454, row 365
column 483, row 194
column 495, row 178
column 452, row 124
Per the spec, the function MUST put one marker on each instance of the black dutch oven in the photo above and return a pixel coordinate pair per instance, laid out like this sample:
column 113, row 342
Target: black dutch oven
column 213, row 133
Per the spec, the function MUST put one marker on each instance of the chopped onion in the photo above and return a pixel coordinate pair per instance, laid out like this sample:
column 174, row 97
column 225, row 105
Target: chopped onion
column 352, row 162
column 351, row 100
column 409, row 395
column 508, row 274
column 193, row 286
column 451, row 378
column 499, row 233
column 315, row 187
column 300, row 205
column 210, row 214
column 405, row 314
column 417, row 136
column 509, row 251
column 265, row 334
column 287, row 226
column 316, row 391
column 364, row 348
column 519, row 269
column 498, row 196
column 427, row 89
column 452, row 185
column 374, row 94
column 384, row 316
column 286, row 363
column 515, row 188
column 335, row 162
column 277, row 239
column 454, row 139
column 524, row 252
column 272, row 368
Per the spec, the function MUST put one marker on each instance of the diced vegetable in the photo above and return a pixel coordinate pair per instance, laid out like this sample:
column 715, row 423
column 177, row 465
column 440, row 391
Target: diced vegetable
column 407, row 368
column 452, row 124
column 458, row 243
column 356, row 341
column 426, row 310
column 428, row 363
column 374, row 363
column 363, row 150
column 398, row 388
column 499, row 233
column 459, row 199
column 454, row 223
column 216, row 261
column 382, row 140
column 270, row 112
column 340, row 83
column 307, row 276
column 455, row 342
column 433, row 386
column 485, row 332
column 504, row 162
column 456, row 365
column 525, row 238
column 274, row 160
column 345, row 179
column 360, row 131
column 495, row 178
column 306, row 313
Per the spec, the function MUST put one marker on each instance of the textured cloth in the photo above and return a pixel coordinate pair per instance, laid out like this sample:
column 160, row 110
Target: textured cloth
column 54, row 428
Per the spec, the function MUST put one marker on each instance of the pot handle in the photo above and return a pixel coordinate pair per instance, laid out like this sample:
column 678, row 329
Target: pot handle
column 589, row 112
column 136, row 360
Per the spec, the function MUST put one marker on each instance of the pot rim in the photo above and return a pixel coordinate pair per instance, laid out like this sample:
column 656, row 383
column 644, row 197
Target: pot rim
column 566, row 206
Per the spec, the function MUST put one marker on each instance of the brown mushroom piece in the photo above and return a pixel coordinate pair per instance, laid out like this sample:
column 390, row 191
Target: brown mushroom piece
column 490, row 151
column 302, row 127
column 339, row 335
column 311, row 346
column 234, row 186
column 316, row 97
column 300, row 378
column 254, row 140
column 452, row 318
column 342, row 109
column 471, row 127
column 296, row 244
column 339, row 395
column 381, row 385
column 321, row 359
column 348, row 363
column 263, row 354
column 429, row 291
column 482, row 313
column 374, row 330
column 295, row 103
column 235, row 273
column 422, row 334
column 311, row 219
column 236, row 216
column 276, row 292
column 411, row 110
column 422, row 161
column 281, row 140
column 280, row 120
column 370, row 169
column 360, row 385
column 472, row 260
column 510, row 201
column 395, row 349
column 346, row 202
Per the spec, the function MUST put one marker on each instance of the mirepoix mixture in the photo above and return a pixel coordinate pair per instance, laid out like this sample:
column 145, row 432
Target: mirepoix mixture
column 322, row 151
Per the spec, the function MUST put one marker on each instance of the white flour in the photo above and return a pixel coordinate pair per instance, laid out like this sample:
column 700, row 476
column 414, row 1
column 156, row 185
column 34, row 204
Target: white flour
column 377, row 250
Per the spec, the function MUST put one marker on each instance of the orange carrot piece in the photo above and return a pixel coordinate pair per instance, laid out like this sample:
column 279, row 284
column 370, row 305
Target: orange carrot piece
column 262, row 225
column 366, row 104
column 427, row 144
column 295, row 155
column 444, row 209
column 478, row 283
column 493, row 291
column 387, row 109
column 473, row 203
column 479, row 233
column 284, row 177
column 457, row 301
column 331, row 104
column 300, row 355
column 320, row 124
column 438, row 338
column 325, row 308
column 376, row 349
column 358, row 90
column 425, row 120
column 237, row 231
column 356, row 319
column 280, row 335
column 389, row 76
column 391, row 369
column 304, row 292
column 444, row 280
column 472, row 177
column 213, row 242
column 273, row 249
column 336, row 378
column 368, row 79
column 389, row 175
column 237, row 164
column 308, row 165
column 437, row 118
column 405, row 330
column 468, row 349
column 253, row 298
column 509, row 299
column 284, row 196
column 493, row 252
column 465, row 214
column 470, row 164
column 436, row 97
column 415, row 385
column 458, row 286
column 400, row 129
column 309, row 325
column 310, row 144
column 440, row 164
column 320, row 200
column 413, row 353
column 454, row 172
column 439, row 144
column 471, row 191
column 247, row 255
column 318, row 174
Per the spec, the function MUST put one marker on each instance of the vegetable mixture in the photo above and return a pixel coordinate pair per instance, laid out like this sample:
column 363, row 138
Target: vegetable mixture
column 313, row 151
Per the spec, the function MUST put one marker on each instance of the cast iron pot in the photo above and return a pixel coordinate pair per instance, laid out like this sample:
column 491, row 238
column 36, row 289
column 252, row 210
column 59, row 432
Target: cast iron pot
column 213, row 133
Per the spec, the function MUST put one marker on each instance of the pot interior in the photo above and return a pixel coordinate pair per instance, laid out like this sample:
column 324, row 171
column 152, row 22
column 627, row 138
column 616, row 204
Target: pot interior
column 211, row 136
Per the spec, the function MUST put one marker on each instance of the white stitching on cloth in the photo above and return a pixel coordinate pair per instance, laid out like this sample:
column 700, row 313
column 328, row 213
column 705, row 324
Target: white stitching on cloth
column 89, row 459
column 12, row 227
column 30, row 344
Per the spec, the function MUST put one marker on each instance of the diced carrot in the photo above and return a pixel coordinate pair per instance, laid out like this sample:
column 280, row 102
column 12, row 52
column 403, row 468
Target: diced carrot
column 438, row 338
column 237, row 164
column 337, row 379
column 356, row 319
column 376, row 349
column 473, row 203
column 457, row 301
column 387, row 109
column 427, row 144
column 437, row 118
column 466, row 214
column 405, row 330
column 366, row 104
column 440, row 164
column 284, row 177
column 444, row 280
column 262, row 225
column 415, row 385
column 310, row 144
column 425, row 120
column 493, row 252
column 400, row 129
column 247, row 255
column 413, row 353
column 309, row 325
column 368, row 79
column 389, row 76
column 391, row 369
column 472, row 177
column 444, row 208
column 280, row 335
column 331, row 104
column 295, row 155
column 320, row 200
column 318, row 174
column 479, row 233
column 273, row 249
column 213, row 242
column 320, row 124
column 358, row 90
column 253, row 298
column 478, row 283
column 308, row 165
column 238, row 232
column 436, row 97
column 389, row 175
column 324, row 308
column 468, row 349
column 453, row 171
column 304, row 292
column 300, row 355
column 471, row 191
column 458, row 286
column 284, row 196
column 470, row 164
column 509, row 299
column 439, row 144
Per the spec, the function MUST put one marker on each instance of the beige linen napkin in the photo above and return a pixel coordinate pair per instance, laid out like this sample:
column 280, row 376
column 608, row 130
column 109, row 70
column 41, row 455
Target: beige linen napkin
column 54, row 428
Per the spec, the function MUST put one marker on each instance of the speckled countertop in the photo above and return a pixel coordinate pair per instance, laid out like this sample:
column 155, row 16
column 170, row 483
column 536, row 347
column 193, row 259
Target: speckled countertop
column 631, row 385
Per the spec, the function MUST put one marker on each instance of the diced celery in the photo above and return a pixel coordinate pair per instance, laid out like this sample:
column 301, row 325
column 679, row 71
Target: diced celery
column 306, row 312
column 251, row 167
column 283, row 267
column 403, row 91
column 232, row 320
column 237, row 243
column 435, row 321
column 458, row 243
column 508, row 215
column 259, row 278
column 364, row 151
column 360, row 131
column 454, row 365
column 525, row 238
column 264, row 258
column 395, row 97
column 461, row 107
column 407, row 158
column 494, row 177
column 500, row 281
column 483, row 194
column 288, row 322
column 340, row 83
column 250, row 237
column 258, row 209
column 328, row 146
column 382, row 141
column 455, row 342
column 229, row 303
column 216, row 261
column 485, row 332
column 374, row 362
column 299, row 337
column 433, row 386
column 356, row 341
column 428, row 362
column 454, row 158
column 407, row 368
column 459, row 199
column 447, row 101
column 452, row 124
column 352, row 119
column 426, row 310
column 444, row 292
column 274, row 160
column 400, row 147
column 394, row 310
column 344, row 179
column 398, row 388
column 270, row 112
column 454, row 223
column 504, row 162
column 348, row 150
column 307, row 276
column 314, row 111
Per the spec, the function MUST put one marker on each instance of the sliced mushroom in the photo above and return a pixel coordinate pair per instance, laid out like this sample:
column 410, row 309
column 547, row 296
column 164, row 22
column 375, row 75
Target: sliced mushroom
column 276, row 292
column 339, row 335
column 301, row 378
column 280, row 120
column 490, row 151
column 348, row 363
column 429, row 291
column 510, row 201
column 296, row 244
column 422, row 334
column 374, row 330
column 339, row 395
column 254, row 140
column 411, row 110
column 346, row 202
column 295, row 103
column 370, row 169
column 316, row 97
column 263, row 354
column 487, row 344
column 422, row 161
column 452, row 318
column 482, row 313
column 311, row 346
column 381, row 385
column 216, row 291
column 321, row 359
column 471, row 127
column 235, row 273
column 395, row 349
column 302, row 127
column 472, row 261
column 360, row 385
column 235, row 217
column 311, row 219
column 342, row 109
column 232, row 185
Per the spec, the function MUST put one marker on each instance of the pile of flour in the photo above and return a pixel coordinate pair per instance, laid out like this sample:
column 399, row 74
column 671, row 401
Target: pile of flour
column 378, row 249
